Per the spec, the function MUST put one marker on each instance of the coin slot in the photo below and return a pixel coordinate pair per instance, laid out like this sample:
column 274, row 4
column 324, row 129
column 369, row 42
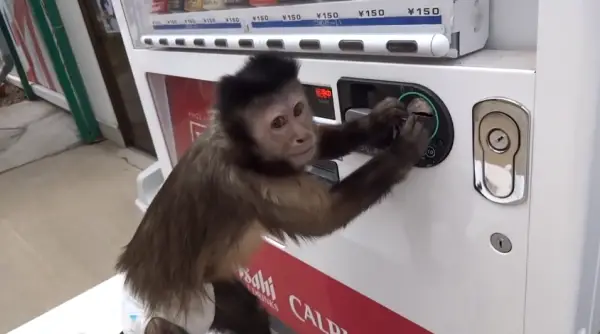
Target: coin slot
column 351, row 45
column 275, row 44
column 246, row 43
column 163, row 41
column 180, row 41
column 310, row 44
column 221, row 42
column 402, row 46
column 409, row 96
column 199, row 42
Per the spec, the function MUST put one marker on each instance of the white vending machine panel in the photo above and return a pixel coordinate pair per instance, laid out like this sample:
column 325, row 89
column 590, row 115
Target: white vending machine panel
column 434, row 246
column 418, row 28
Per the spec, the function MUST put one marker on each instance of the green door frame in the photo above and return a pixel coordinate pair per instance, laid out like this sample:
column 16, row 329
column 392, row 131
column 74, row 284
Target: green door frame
column 49, row 22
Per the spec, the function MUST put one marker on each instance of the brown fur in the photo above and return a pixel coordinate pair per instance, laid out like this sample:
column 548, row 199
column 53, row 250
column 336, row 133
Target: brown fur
column 223, row 195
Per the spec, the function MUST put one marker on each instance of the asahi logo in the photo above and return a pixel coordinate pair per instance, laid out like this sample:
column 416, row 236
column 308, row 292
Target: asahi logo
column 305, row 313
column 261, row 286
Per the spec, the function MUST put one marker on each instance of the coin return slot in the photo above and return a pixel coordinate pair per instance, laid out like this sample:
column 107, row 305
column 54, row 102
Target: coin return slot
column 180, row 41
column 275, row 44
column 148, row 41
column 310, row 44
column 199, row 42
column 246, row 43
column 221, row 42
column 163, row 41
column 402, row 46
column 351, row 45
column 501, row 150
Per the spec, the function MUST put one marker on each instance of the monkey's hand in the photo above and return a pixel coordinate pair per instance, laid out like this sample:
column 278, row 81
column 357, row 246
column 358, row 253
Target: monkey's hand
column 389, row 110
column 384, row 121
column 412, row 141
column 375, row 130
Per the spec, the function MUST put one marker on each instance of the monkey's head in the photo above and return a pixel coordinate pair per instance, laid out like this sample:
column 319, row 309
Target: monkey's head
column 264, row 111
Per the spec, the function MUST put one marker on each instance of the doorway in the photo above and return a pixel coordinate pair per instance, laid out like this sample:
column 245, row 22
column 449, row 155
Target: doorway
column 110, row 52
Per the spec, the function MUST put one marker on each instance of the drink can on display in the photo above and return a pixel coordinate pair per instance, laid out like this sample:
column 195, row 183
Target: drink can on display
column 214, row 4
column 160, row 6
column 176, row 6
column 236, row 3
column 194, row 5
column 257, row 3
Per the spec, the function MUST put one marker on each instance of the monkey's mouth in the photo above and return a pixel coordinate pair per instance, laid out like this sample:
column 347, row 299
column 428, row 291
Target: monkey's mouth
column 305, row 152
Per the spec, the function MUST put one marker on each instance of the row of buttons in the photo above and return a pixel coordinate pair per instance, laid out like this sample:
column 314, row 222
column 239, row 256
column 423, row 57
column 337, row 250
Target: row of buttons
column 400, row 46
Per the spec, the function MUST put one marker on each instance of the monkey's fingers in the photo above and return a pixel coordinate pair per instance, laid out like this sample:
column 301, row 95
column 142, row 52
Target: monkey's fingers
column 385, row 104
column 420, row 106
column 407, row 129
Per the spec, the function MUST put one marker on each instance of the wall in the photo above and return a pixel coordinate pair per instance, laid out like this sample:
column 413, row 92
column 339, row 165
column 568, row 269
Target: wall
column 75, row 27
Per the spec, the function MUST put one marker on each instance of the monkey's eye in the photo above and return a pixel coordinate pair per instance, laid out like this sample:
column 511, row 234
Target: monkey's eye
column 278, row 122
column 298, row 108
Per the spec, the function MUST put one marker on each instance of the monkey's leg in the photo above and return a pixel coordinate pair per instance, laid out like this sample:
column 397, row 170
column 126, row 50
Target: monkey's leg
column 158, row 325
column 238, row 310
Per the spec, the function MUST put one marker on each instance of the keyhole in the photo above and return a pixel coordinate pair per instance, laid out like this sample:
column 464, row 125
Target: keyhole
column 501, row 243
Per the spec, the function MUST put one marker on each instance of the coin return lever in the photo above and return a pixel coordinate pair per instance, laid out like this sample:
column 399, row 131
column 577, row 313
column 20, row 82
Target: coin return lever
column 501, row 150
column 359, row 96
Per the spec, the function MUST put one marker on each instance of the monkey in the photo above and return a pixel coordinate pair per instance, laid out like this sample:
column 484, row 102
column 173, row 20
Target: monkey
column 246, row 177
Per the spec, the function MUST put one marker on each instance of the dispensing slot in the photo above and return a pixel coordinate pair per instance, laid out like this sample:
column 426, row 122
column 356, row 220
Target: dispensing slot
column 325, row 170
column 501, row 150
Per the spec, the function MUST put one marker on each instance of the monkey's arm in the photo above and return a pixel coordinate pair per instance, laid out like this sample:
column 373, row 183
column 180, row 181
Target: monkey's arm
column 338, row 140
column 307, row 208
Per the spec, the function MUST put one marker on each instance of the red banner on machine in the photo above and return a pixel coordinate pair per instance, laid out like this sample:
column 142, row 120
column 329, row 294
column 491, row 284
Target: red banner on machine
column 190, row 102
column 305, row 299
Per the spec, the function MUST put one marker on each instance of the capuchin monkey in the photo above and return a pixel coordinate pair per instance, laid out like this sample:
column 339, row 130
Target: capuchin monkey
column 245, row 177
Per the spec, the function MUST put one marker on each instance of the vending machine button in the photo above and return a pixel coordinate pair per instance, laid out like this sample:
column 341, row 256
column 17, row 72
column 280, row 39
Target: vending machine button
column 275, row 44
column 351, row 45
column 402, row 46
column 221, row 42
column 246, row 43
column 310, row 44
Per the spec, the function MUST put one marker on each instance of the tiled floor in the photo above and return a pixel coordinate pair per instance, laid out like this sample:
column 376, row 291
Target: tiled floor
column 63, row 220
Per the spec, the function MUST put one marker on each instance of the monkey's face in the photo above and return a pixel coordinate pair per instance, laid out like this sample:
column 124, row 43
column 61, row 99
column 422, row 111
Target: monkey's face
column 283, row 128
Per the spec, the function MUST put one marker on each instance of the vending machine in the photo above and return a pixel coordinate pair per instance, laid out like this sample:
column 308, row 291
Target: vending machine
column 494, row 232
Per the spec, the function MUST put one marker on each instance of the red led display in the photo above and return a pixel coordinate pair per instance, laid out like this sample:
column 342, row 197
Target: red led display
column 323, row 93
